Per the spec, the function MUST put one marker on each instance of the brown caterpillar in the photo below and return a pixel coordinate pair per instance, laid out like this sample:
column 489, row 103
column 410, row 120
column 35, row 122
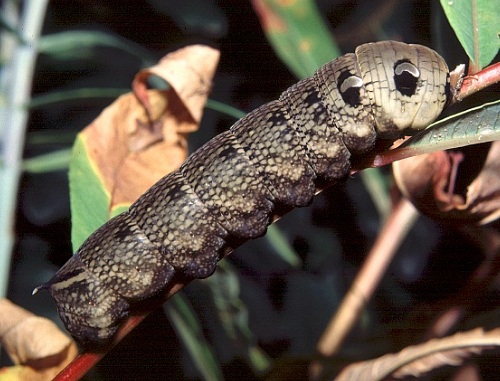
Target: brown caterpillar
column 272, row 160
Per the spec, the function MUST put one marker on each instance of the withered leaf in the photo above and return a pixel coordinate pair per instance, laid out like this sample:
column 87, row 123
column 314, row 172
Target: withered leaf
column 430, row 182
column 419, row 359
column 34, row 342
column 142, row 135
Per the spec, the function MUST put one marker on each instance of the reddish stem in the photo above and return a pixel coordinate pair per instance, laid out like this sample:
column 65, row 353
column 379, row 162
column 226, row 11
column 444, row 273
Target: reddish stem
column 479, row 81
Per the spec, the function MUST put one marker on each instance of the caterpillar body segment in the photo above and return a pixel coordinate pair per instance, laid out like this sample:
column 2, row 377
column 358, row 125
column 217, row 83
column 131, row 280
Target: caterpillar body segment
column 269, row 162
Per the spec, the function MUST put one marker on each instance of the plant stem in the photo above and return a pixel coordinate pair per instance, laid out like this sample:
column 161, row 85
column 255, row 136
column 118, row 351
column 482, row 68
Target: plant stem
column 16, row 80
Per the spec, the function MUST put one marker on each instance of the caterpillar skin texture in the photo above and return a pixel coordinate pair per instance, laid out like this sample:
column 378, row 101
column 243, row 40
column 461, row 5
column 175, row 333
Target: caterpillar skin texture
column 272, row 160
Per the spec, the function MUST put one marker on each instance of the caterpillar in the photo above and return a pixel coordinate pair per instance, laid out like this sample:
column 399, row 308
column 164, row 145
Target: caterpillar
column 273, row 160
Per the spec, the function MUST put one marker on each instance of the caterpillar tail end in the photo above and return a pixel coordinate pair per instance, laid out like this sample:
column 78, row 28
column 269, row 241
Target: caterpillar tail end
column 90, row 312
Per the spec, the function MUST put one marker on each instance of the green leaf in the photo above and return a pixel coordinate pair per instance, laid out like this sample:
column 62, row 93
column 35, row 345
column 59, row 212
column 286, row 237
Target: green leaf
column 42, row 100
column 280, row 244
column 298, row 34
column 8, row 26
column 477, row 125
column 89, row 199
column 377, row 186
column 233, row 314
column 48, row 162
column 476, row 24
column 78, row 44
column 118, row 209
column 224, row 108
column 189, row 329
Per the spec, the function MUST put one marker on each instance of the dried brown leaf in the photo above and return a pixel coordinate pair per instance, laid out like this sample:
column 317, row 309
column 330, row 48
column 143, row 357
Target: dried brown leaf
column 420, row 359
column 34, row 341
column 142, row 135
column 429, row 181
column 189, row 73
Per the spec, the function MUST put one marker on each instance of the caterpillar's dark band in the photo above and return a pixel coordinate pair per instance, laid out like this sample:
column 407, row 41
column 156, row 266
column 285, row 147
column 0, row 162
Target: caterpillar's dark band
column 272, row 160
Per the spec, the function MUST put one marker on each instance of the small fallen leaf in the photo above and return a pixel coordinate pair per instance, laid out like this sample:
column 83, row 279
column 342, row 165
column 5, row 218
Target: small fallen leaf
column 34, row 342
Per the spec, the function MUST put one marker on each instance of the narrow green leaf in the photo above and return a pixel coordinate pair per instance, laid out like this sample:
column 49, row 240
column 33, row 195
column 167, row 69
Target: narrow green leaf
column 478, row 125
column 376, row 185
column 280, row 244
column 49, row 162
column 259, row 359
column 224, row 108
column 78, row 43
column 49, row 136
column 8, row 26
column 298, row 34
column 200, row 17
column 189, row 329
column 233, row 314
column 42, row 100
column 476, row 24
column 89, row 199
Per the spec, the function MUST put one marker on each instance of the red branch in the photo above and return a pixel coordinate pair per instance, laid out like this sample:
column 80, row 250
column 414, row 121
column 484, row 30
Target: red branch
column 474, row 83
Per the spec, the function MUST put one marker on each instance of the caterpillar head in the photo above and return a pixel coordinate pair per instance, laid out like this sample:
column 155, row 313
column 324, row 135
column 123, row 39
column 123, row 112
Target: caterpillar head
column 407, row 85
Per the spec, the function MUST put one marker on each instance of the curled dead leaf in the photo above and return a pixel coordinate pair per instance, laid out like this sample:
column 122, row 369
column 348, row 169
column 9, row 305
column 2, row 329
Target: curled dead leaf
column 417, row 360
column 189, row 73
column 142, row 136
column 454, row 186
column 34, row 341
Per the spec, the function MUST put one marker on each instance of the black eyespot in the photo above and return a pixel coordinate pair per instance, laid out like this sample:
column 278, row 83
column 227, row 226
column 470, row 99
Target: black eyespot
column 406, row 76
column 349, row 86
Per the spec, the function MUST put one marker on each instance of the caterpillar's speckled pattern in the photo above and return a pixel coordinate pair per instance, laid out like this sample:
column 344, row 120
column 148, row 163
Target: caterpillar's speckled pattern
column 272, row 160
